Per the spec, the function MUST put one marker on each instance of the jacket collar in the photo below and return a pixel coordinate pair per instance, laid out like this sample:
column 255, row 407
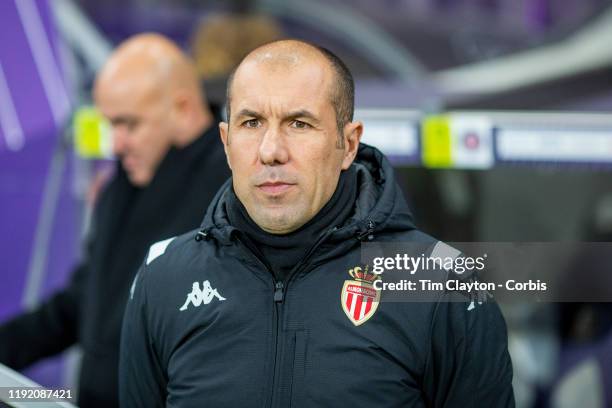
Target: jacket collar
column 379, row 207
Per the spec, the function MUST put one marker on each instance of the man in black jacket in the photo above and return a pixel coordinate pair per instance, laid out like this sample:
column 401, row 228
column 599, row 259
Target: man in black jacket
column 171, row 164
column 267, row 304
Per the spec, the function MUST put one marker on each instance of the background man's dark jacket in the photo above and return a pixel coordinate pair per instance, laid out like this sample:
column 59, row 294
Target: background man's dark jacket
column 248, row 341
column 126, row 222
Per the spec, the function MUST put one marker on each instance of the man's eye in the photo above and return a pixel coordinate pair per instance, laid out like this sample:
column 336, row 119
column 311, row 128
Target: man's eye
column 251, row 123
column 298, row 124
column 128, row 125
column 131, row 125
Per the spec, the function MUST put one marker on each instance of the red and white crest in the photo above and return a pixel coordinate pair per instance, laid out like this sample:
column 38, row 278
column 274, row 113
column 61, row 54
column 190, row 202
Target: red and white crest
column 359, row 298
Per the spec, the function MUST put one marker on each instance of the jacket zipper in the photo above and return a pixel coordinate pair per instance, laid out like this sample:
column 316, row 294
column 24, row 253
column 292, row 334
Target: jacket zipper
column 278, row 308
column 280, row 289
column 278, row 298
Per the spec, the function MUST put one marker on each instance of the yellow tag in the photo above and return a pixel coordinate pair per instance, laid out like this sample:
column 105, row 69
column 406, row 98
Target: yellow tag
column 436, row 140
column 91, row 134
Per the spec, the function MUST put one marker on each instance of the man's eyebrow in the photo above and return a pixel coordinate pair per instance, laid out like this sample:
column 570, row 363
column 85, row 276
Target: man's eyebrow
column 123, row 119
column 302, row 113
column 248, row 112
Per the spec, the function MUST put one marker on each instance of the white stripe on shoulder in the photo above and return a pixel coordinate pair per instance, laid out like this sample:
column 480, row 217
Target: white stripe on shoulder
column 158, row 249
column 442, row 251
column 133, row 287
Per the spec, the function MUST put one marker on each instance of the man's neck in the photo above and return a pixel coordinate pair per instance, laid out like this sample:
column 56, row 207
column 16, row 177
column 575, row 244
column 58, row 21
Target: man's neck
column 283, row 252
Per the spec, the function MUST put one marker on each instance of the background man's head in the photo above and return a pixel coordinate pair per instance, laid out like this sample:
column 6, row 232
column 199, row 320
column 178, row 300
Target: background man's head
column 149, row 91
column 289, row 132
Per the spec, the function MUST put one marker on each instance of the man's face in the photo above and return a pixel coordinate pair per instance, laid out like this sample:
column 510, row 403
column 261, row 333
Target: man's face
column 281, row 143
column 141, row 123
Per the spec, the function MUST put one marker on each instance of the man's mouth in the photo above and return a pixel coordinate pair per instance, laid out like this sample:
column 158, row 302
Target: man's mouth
column 129, row 163
column 274, row 188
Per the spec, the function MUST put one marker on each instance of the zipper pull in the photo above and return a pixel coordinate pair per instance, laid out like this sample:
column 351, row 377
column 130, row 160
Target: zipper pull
column 278, row 291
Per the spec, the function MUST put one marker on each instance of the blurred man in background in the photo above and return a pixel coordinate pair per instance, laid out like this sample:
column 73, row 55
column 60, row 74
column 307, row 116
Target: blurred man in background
column 171, row 162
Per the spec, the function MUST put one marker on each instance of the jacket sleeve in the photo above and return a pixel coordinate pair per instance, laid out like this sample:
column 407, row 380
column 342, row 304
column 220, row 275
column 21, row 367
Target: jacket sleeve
column 53, row 325
column 47, row 330
column 468, row 364
column 142, row 382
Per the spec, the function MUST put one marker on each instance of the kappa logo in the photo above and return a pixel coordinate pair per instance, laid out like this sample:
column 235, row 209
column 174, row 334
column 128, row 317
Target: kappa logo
column 199, row 296
column 359, row 298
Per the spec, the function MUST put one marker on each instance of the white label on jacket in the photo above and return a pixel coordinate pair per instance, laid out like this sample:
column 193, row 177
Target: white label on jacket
column 158, row 249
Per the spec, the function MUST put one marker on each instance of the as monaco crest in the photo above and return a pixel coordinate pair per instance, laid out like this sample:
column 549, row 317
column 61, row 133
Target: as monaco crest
column 359, row 298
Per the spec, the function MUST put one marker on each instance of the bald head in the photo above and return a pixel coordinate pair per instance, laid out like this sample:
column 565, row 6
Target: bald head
column 149, row 62
column 284, row 53
column 149, row 91
column 289, row 54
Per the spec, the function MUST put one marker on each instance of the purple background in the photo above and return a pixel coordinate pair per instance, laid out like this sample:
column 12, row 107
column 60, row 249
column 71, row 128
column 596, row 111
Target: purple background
column 22, row 179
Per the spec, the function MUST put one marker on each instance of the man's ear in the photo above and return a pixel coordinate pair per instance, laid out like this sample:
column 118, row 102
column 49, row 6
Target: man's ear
column 180, row 109
column 182, row 104
column 224, row 132
column 352, row 136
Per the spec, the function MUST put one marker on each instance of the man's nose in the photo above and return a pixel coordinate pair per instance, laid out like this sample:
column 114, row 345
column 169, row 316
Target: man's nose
column 119, row 138
column 273, row 148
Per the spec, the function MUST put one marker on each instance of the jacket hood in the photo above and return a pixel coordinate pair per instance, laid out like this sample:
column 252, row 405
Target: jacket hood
column 380, row 205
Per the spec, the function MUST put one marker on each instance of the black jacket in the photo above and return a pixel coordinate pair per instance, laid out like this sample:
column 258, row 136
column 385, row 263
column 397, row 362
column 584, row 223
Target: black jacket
column 207, row 325
column 126, row 221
